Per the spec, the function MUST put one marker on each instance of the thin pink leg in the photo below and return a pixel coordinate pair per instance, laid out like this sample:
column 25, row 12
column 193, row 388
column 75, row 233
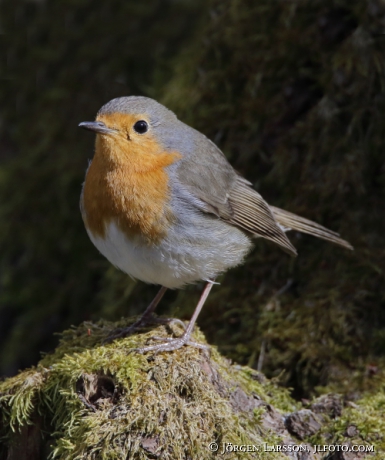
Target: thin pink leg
column 178, row 342
column 151, row 308
column 142, row 321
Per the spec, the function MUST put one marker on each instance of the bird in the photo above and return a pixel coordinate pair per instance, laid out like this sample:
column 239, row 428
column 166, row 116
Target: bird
column 162, row 203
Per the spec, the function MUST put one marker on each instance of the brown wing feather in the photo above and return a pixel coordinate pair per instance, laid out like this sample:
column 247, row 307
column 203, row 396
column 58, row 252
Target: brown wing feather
column 221, row 191
column 293, row 222
column 251, row 212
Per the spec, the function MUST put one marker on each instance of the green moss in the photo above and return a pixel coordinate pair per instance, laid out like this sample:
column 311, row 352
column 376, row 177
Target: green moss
column 364, row 420
column 18, row 397
column 103, row 401
column 108, row 401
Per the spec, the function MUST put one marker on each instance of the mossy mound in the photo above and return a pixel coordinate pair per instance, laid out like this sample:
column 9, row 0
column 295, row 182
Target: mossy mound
column 93, row 401
column 101, row 401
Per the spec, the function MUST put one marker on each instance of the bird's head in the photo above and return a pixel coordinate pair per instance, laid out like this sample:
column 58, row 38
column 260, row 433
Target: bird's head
column 133, row 129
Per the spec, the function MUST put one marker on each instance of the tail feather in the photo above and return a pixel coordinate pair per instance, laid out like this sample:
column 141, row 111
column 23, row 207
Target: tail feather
column 293, row 222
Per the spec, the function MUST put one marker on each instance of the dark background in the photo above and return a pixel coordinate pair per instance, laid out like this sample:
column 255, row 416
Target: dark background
column 293, row 92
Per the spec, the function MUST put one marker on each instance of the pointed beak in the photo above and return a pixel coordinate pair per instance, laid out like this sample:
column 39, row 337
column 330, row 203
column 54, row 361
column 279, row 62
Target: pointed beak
column 96, row 126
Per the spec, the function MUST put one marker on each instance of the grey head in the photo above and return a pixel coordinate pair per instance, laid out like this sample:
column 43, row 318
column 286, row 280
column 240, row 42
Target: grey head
column 138, row 105
column 170, row 131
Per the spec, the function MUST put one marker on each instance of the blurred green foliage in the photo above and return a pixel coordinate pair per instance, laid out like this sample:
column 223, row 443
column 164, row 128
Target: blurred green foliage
column 293, row 92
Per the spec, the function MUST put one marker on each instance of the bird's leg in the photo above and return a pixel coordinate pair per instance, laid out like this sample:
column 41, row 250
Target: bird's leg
column 146, row 318
column 148, row 313
column 184, row 339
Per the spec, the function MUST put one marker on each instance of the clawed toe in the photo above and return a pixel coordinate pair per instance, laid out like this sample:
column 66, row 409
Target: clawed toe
column 171, row 344
column 194, row 344
column 165, row 339
column 167, row 345
column 178, row 322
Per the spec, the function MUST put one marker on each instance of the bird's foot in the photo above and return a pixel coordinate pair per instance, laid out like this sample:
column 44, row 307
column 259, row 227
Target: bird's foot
column 172, row 343
column 140, row 323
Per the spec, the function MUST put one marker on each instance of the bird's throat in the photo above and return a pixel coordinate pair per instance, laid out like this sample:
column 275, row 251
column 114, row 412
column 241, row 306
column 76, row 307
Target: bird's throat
column 129, row 187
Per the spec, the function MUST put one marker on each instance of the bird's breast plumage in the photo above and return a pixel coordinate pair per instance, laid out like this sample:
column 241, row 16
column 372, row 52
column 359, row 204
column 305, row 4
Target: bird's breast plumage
column 130, row 189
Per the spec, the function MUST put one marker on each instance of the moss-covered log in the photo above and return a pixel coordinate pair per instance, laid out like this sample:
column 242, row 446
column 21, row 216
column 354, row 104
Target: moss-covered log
column 90, row 400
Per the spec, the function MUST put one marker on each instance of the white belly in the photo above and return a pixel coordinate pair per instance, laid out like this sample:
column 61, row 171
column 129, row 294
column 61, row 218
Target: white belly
column 197, row 250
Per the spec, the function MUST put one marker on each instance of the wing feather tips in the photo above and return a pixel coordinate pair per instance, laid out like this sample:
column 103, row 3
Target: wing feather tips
column 300, row 224
column 250, row 212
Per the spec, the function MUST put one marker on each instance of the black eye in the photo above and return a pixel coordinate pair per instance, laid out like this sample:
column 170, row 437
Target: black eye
column 141, row 126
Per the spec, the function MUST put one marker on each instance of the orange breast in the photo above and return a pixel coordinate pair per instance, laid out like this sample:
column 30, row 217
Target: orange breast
column 127, row 183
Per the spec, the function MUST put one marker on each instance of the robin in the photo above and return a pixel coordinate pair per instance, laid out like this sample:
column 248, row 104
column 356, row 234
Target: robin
column 161, row 202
